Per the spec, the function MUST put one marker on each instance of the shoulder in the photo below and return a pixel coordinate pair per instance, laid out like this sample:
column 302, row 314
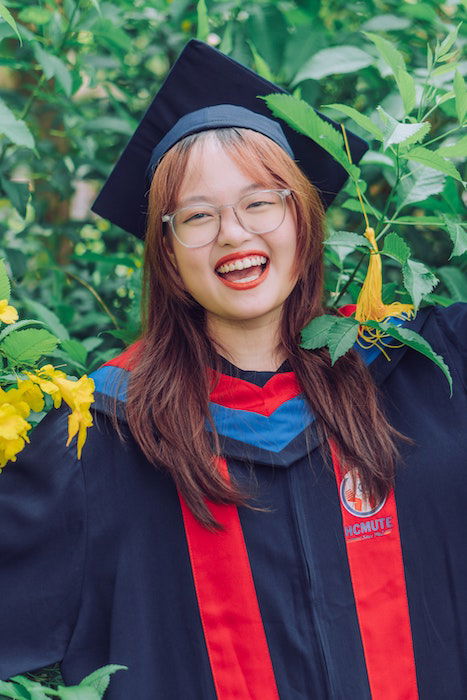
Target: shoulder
column 452, row 322
column 111, row 381
column 446, row 331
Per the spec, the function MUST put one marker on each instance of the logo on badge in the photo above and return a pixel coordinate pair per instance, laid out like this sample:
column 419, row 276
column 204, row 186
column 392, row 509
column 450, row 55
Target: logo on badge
column 354, row 500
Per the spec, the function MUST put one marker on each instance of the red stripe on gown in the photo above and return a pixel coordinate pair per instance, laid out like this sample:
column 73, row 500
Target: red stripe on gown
column 235, row 638
column 378, row 581
column 239, row 394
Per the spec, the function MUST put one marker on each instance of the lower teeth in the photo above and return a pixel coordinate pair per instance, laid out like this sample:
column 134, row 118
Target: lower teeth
column 249, row 279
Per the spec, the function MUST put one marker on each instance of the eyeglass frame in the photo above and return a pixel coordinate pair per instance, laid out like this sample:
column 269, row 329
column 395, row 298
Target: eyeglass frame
column 169, row 218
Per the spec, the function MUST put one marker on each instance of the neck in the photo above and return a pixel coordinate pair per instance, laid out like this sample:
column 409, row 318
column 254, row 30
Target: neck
column 248, row 345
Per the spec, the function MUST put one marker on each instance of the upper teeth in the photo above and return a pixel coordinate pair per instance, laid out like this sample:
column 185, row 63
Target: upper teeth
column 242, row 264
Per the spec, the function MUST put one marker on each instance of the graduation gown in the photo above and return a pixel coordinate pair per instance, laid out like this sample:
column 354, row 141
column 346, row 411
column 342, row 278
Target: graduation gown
column 315, row 596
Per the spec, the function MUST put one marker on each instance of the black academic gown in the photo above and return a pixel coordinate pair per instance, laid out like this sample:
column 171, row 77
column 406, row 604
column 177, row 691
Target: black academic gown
column 95, row 567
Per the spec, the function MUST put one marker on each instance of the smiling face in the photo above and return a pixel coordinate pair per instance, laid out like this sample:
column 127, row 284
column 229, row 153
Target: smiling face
column 241, row 276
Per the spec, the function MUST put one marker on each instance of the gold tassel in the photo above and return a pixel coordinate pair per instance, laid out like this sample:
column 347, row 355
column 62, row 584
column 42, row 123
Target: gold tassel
column 370, row 305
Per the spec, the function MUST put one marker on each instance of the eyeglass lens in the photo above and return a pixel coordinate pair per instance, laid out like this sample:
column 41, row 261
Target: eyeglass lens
column 259, row 212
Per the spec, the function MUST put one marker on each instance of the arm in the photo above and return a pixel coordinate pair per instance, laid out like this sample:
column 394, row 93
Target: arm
column 42, row 540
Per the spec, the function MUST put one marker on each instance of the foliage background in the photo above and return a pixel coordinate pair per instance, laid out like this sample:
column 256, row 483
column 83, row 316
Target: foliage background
column 84, row 74
column 73, row 90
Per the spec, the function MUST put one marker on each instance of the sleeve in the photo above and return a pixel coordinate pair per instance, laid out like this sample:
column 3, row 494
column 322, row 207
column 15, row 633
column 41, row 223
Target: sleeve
column 453, row 325
column 42, row 548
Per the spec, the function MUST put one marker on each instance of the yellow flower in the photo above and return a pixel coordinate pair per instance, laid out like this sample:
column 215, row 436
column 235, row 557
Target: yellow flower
column 44, row 377
column 25, row 397
column 8, row 314
column 77, row 394
column 79, row 397
column 13, row 433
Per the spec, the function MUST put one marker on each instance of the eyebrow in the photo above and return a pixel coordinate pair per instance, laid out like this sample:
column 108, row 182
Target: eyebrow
column 203, row 198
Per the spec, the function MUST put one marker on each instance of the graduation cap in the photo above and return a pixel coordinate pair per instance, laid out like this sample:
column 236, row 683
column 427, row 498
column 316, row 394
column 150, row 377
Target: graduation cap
column 206, row 90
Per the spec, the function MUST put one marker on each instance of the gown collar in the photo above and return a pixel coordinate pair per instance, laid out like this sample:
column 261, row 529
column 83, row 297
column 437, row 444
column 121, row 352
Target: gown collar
column 260, row 417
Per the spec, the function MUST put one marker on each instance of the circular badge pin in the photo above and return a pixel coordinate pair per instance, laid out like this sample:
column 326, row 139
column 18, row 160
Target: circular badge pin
column 354, row 500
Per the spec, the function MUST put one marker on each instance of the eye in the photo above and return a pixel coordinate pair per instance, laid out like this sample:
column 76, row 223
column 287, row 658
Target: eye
column 197, row 217
column 257, row 204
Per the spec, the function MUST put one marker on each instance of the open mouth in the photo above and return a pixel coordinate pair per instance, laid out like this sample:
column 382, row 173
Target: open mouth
column 243, row 272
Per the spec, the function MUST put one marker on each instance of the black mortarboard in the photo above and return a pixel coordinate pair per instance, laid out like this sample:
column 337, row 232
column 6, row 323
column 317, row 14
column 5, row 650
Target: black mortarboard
column 203, row 77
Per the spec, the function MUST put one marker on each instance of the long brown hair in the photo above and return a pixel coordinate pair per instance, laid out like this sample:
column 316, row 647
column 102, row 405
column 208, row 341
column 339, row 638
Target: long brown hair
column 168, row 395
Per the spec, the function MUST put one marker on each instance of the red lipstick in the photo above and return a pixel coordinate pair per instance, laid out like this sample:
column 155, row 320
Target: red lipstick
column 239, row 285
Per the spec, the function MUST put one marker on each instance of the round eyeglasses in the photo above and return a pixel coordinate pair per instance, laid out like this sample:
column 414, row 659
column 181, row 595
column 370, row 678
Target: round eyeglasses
column 260, row 212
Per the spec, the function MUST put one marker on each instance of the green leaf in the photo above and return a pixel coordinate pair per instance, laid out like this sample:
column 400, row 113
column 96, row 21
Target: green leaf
column 395, row 61
column 454, row 55
column 416, row 220
column 416, row 342
column 406, row 85
column 114, row 37
column 457, row 233
column 395, row 247
column 203, row 21
column 303, row 118
column 260, row 64
column 35, row 15
column 442, row 70
column 354, row 205
column 455, row 281
column 341, row 337
column 99, row 680
column 420, row 185
column 378, row 158
column 388, row 53
column 18, row 194
column 7, row 690
column 115, row 125
column 386, row 23
column 49, row 318
column 315, row 334
column 399, row 133
column 97, row 6
column 431, row 159
column 461, row 96
column 19, row 324
column 9, row 19
column 441, row 99
column 347, row 238
column 75, row 692
column 439, row 299
column 448, row 42
column 360, row 119
column 418, row 280
column 53, row 67
column 227, row 40
column 429, row 58
column 29, row 345
column 338, row 59
column 421, row 11
column 75, row 350
column 32, row 690
column 5, row 288
column 14, row 129
column 457, row 150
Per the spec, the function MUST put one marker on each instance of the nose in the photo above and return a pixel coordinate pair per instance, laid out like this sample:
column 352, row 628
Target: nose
column 231, row 232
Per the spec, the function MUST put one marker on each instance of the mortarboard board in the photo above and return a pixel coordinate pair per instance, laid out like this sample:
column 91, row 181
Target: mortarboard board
column 203, row 77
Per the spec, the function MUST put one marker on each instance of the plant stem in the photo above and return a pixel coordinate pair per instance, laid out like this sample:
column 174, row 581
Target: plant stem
column 391, row 196
column 96, row 295
column 349, row 281
column 446, row 133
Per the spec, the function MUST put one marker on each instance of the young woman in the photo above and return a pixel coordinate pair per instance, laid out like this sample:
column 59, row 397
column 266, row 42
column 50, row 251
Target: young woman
column 244, row 539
